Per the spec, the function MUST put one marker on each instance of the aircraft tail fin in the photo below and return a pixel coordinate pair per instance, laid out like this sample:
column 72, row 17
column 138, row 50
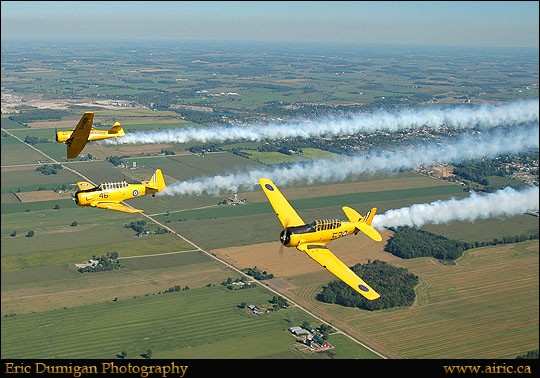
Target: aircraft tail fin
column 363, row 223
column 156, row 182
column 368, row 218
column 117, row 129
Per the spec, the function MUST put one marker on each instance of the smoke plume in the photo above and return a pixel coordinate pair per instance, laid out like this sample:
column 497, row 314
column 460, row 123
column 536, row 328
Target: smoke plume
column 459, row 117
column 503, row 203
column 489, row 144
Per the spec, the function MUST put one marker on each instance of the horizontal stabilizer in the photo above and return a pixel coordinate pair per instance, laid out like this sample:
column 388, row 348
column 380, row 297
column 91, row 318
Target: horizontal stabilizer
column 352, row 214
column 369, row 231
column 84, row 185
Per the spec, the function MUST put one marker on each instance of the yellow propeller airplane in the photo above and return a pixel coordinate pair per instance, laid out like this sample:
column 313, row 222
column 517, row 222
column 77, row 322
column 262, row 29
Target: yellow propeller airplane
column 77, row 138
column 109, row 195
column 312, row 238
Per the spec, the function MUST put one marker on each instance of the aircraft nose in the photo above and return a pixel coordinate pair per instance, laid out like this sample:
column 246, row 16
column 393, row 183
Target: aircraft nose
column 285, row 236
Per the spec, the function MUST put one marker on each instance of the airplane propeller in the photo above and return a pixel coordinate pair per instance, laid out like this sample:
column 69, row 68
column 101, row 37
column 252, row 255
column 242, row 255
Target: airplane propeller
column 280, row 250
column 282, row 238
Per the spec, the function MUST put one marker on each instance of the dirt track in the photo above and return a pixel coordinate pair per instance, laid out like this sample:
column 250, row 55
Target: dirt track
column 284, row 263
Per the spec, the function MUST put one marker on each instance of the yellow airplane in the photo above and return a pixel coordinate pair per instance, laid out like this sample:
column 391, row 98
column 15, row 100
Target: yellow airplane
column 77, row 138
column 110, row 195
column 312, row 238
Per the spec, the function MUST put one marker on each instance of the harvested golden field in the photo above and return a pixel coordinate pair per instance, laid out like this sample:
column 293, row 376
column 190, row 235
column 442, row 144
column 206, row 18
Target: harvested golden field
column 484, row 306
column 43, row 195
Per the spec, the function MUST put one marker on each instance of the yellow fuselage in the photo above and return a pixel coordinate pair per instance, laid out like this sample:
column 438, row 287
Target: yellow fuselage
column 320, row 231
column 111, row 192
column 63, row 136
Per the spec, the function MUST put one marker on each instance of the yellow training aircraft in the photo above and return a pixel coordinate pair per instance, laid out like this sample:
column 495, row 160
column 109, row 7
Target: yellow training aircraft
column 110, row 195
column 312, row 238
column 77, row 138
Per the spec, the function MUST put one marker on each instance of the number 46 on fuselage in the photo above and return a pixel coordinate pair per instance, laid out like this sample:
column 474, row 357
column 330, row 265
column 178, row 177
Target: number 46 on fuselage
column 109, row 195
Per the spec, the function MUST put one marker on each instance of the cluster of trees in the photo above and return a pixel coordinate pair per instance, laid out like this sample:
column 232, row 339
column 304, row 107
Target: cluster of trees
column 137, row 226
column 408, row 243
column 478, row 171
column 239, row 283
column 106, row 262
column 115, row 160
column 35, row 140
column 395, row 285
column 323, row 329
column 209, row 147
column 279, row 301
column 123, row 354
column 530, row 355
column 29, row 234
column 217, row 116
column 174, row 288
column 285, row 147
column 140, row 228
column 39, row 115
column 258, row 274
column 49, row 169
column 502, row 166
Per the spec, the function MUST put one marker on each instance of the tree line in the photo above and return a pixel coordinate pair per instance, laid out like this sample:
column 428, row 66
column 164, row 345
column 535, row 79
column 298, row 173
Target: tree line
column 409, row 243
column 395, row 285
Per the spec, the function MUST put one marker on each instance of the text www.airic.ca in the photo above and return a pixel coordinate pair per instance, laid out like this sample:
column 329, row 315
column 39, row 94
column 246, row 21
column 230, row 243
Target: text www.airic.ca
column 487, row 369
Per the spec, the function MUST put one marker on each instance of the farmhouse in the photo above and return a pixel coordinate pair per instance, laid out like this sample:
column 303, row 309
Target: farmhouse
column 90, row 262
column 299, row 331
column 255, row 309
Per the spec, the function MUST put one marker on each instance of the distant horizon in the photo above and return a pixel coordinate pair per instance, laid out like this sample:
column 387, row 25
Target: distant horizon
column 429, row 23
column 307, row 44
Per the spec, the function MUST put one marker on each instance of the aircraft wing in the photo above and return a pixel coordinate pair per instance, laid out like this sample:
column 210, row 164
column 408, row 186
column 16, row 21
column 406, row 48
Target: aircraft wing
column 79, row 136
column 321, row 254
column 283, row 209
column 83, row 185
column 116, row 206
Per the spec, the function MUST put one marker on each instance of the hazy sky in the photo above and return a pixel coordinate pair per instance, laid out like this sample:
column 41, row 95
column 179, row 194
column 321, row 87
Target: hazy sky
column 465, row 23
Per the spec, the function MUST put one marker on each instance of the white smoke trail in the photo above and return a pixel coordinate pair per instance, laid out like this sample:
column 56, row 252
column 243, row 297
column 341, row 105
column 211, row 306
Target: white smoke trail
column 503, row 203
column 461, row 117
column 486, row 145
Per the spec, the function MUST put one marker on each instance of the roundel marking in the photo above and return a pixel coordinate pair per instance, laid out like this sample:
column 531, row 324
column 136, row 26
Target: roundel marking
column 269, row 187
column 135, row 193
column 363, row 288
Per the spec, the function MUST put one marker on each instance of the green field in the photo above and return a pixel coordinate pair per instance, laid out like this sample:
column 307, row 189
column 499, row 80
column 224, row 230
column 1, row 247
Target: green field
column 195, row 323
column 484, row 306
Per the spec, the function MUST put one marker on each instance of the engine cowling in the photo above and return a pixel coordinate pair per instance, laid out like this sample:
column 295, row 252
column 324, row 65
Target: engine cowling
column 285, row 237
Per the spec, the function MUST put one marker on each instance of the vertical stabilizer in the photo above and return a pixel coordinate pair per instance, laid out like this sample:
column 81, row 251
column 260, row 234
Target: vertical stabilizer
column 117, row 129
column 368, row 218
column 156, row 182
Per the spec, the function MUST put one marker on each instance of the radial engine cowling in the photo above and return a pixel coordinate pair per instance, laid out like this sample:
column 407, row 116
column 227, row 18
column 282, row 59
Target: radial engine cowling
column 285, row 237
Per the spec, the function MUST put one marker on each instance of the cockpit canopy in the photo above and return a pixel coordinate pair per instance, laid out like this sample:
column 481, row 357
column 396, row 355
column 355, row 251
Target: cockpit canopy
column 325, row 224
column 113, row 185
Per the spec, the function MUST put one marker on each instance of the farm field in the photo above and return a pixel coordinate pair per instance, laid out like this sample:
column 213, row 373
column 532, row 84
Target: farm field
column 168, row 296
column 39, row 279
column 488, row 298
column 203, row 323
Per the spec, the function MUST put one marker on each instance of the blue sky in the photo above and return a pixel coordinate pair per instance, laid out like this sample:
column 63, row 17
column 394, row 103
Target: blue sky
column 454, row 23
